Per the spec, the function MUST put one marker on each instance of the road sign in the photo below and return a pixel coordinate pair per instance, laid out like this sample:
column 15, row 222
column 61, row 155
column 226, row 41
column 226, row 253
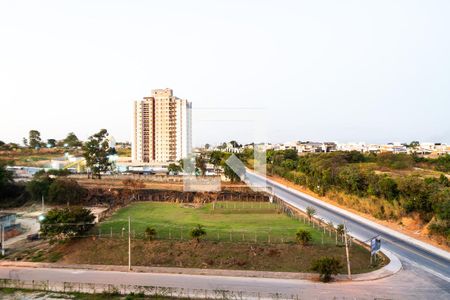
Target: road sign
column 375, row 245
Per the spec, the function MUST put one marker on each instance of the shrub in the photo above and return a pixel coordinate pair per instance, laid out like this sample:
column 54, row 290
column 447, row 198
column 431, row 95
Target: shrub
column 198, row 232
column 326, row 266
column 150, row 233
column 66, row 223
column 303, row 236
column 395, row 161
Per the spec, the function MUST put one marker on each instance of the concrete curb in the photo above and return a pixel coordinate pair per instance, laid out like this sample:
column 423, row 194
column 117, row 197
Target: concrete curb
column 393, row 267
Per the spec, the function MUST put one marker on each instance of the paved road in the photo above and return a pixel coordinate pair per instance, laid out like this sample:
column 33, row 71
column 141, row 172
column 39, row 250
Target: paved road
column 405, row 248
column 408, row 284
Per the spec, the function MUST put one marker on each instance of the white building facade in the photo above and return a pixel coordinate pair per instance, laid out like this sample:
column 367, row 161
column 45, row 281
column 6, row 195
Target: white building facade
column 162, row 128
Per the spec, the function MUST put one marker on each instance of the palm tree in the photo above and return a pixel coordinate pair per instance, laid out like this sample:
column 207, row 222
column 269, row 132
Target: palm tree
column 310, row 211
column 340, row 230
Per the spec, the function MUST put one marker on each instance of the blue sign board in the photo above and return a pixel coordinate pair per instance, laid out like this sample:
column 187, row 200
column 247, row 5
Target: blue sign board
column 375, row 245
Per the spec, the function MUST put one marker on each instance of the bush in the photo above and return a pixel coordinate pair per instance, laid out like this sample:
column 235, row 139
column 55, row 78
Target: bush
column 66, row 223
column 198, row 232
column 303, row 236
column 443, row 163
column 395, row 161
column 150, row 233
column 326, row 266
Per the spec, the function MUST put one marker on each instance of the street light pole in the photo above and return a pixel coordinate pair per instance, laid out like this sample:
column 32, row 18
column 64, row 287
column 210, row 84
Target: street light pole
column 129, row 243
column 347, row 253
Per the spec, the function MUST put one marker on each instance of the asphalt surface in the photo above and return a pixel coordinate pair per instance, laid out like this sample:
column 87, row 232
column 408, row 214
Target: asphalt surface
column 405, row 249
column 410, row 283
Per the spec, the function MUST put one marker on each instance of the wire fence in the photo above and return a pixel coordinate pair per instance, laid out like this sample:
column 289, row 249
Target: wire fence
column 322, row 234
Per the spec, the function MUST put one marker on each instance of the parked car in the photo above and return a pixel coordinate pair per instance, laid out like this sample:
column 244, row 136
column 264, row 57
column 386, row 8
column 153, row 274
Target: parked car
column 33, row 237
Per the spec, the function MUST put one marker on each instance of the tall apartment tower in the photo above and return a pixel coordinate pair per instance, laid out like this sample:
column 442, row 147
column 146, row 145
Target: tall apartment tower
column 162, row 128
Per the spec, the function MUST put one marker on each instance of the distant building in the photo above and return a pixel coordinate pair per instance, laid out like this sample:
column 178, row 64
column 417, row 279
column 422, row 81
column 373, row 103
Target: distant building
column 395, row 148
column 309, row 147
column 162, row 128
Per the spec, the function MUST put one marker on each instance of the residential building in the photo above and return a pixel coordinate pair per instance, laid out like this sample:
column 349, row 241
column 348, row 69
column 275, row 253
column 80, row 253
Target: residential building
column 162, row 128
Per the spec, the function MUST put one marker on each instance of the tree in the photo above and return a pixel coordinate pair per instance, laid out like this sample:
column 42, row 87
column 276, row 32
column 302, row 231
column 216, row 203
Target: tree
column 2, row 143
column 150, row 233
column 96, row 152
column 66, row 223
column 174, row 169
column 230, row 174
column 200, row 164
column 326, row 266
column 235, row 144
column 216, row 157
column 198, row 232
column 5, row 176
column 310, row 212
column 415, row 194
column 414, row 144
column 72, row 140
column 303, row 236
column 6, row 180
column 51, row 143
column 207, row 146
column 388, row 188
column 340, row 229
column 39, row 186
column 352, row 180
column 25, row 142
column 63, row 191
column 34, row 139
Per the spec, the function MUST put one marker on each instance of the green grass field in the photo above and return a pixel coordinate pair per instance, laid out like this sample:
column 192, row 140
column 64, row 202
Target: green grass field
column 240, row 235
column 226, row 221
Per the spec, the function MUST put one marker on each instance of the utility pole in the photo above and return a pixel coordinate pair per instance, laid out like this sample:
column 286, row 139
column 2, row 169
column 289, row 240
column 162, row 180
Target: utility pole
column 347, row 253
column 3, row 238
column 129, row 243
column 43, row 206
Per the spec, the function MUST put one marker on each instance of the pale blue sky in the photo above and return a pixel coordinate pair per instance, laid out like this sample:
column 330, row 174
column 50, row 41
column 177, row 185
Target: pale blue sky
column 374, row 71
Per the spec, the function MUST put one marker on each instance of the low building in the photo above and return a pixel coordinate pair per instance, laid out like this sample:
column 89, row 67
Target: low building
column 10, row 227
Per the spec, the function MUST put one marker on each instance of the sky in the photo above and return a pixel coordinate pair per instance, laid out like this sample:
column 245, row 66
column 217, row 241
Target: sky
column 276, row 71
